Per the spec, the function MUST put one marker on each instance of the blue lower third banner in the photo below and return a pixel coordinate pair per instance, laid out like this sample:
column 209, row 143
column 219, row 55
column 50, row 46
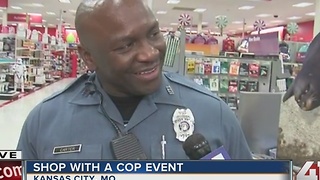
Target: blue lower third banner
column 186, row 170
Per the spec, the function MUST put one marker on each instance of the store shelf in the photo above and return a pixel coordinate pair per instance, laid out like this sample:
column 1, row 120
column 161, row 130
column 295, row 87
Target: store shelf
column 27, row 88
column 227, row 77
column 6, row 61
column 11, row 95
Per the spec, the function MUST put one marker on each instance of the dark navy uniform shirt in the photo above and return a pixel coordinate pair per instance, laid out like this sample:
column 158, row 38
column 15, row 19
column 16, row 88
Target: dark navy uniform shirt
column 69, row 118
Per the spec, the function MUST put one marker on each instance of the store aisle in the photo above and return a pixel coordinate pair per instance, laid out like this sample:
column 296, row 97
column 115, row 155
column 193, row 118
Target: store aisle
column 14, row 114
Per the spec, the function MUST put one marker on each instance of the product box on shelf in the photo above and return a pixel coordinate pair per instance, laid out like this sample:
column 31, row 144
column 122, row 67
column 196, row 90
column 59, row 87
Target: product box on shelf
column 227, row 77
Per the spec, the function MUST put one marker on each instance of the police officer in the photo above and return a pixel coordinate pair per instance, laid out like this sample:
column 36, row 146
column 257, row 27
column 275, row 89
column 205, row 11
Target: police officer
column 128, row 93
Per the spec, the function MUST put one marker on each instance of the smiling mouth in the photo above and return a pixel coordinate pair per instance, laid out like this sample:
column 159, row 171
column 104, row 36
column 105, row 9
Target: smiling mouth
column 146, row 72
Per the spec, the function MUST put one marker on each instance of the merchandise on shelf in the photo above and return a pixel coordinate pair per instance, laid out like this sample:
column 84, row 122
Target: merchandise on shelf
column 228, row 76
column 4, row 85
column 20, row 77
column 228, row 45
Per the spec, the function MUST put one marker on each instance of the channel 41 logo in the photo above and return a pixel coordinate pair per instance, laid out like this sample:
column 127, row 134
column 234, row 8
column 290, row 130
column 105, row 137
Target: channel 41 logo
column 10, row 165
column 309, row 171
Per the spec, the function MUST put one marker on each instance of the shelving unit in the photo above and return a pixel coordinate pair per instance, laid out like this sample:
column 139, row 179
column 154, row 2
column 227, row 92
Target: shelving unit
column 32, row 55
column 48, row 65
column 5, row 92
column 59, row 64
column 227, row 77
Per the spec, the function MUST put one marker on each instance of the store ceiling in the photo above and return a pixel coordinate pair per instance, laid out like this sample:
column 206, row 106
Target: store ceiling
column 283, row 8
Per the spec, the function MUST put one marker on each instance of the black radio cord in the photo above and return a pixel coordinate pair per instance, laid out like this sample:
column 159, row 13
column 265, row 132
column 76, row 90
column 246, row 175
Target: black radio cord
column 107, row 116
column 90, row 89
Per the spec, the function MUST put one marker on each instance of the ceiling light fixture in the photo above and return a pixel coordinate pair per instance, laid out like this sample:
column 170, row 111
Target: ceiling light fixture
column 264, row 15
column 173, row 1
column 173, row 24
column 205, row 23
column 161, row 12
column 221, row 16
column 65, row 1
column 37, row 5
column 303, row 4
column 311, row 14
column 16, row 7
column 276, row 21
column 237, row 22
column 72, row 11
column 246, row 7
column 34, row 14
column 200, row 10
column 294, row 17
column 51, row 13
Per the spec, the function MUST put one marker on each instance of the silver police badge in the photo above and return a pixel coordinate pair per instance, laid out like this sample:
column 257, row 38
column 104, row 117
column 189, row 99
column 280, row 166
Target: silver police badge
column 183, row 123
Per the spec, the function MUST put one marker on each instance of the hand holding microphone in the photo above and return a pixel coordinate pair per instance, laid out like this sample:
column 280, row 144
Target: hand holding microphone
column 197, row 147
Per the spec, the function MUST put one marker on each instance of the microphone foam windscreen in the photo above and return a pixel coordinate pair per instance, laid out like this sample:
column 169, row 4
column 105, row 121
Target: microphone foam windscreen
column 196, row 146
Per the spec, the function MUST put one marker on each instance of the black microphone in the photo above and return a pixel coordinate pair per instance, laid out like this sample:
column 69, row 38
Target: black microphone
column 197, row 147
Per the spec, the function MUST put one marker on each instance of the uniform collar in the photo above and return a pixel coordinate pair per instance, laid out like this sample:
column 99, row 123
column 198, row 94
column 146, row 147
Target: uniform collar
column 167, row 94
column 81, row 98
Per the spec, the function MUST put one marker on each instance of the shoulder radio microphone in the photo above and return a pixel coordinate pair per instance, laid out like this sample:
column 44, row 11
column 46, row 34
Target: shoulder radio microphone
column 197, row 147
column 125, row 146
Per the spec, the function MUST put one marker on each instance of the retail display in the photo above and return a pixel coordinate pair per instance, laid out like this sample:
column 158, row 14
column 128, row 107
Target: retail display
column 212, row 40
column 284, row 51
column 20, row 75
column 199, row 39
column 228, row 76
column 35, row 61
column 228, row 45
column 301, row 54
column 297, row 51
column 72, row 58
column 5, row 92
column 173, row 45
column 243, row 46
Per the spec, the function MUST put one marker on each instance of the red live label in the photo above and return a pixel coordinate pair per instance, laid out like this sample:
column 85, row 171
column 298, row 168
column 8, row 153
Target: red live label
column 10, row 170
column 309, row 171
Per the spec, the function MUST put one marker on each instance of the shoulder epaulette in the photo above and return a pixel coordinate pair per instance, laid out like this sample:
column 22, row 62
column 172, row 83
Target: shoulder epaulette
column 181, row 80
column 78, row 81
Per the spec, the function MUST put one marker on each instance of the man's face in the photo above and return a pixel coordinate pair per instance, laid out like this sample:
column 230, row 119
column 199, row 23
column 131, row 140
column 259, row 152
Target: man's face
column 127, row 48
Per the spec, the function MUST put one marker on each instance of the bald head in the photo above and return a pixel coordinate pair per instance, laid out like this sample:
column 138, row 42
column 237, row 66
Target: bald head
column 84, row 12
column 88, row 11
column 86, row 7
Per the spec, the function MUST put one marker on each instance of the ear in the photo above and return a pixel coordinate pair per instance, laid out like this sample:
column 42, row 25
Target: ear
column 87, row 58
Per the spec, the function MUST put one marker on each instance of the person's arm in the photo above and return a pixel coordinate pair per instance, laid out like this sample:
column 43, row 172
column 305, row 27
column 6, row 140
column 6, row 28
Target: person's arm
column 28, row 136
column 236, row 143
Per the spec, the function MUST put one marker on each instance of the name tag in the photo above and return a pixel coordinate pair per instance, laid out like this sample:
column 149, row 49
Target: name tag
column 67, row 149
